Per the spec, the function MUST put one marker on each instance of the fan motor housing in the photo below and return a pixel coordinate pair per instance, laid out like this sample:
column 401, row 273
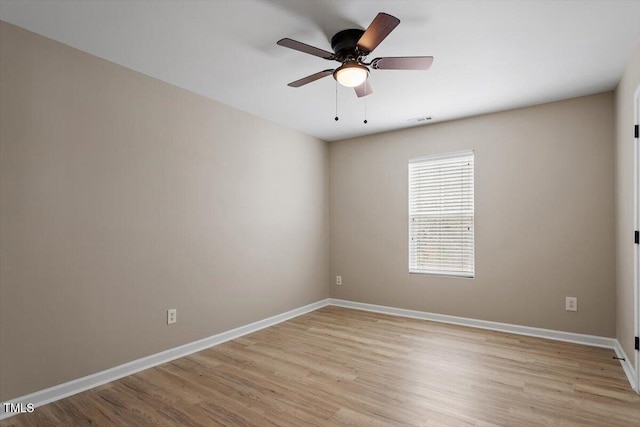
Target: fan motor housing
column 344, row 44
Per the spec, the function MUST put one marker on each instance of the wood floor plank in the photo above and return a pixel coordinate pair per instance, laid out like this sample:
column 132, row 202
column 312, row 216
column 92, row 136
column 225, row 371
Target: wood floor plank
column 338, row 366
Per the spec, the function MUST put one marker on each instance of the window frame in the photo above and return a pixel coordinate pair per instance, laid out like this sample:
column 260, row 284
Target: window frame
column 442, row 273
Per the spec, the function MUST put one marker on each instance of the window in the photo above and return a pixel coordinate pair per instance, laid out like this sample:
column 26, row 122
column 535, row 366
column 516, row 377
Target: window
column 441, row 215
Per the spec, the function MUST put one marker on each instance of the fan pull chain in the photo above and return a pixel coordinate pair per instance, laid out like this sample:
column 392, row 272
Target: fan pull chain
column 365, row 111
column 336, row 119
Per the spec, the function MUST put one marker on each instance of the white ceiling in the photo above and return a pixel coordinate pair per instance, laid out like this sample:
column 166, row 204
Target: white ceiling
column 489, row 55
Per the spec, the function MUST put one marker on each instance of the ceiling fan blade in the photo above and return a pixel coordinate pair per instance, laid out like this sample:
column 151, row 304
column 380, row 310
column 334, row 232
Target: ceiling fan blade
column 302, row 47
column 378, row 30
column 364, row 89
column 312, row 78
column 402, row 63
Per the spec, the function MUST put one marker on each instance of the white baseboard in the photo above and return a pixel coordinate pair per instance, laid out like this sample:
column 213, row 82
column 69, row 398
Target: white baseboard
column 551, row 334
column 627, row 366
column 51, row 394
column 572, row 337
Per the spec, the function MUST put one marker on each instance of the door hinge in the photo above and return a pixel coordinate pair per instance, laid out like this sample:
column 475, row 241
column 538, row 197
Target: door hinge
column 636, row 131
column 637, row 343
column 636, row 237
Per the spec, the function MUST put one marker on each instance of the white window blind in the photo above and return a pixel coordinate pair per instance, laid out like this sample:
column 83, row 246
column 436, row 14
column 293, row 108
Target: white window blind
column 441, row 215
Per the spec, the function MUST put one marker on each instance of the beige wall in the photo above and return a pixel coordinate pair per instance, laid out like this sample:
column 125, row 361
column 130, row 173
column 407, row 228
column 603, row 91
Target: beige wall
column 624, row 202
column 122, row 196
column 544, row 217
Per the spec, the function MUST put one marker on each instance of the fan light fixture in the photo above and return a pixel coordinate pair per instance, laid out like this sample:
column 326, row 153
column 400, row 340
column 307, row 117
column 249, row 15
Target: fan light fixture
column 350, row 48
column 351, row 74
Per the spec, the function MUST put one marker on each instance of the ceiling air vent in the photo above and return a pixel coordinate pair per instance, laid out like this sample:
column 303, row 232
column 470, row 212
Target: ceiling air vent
column 422, row 119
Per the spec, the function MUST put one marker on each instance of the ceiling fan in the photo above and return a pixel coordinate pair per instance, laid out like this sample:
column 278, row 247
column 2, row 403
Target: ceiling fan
column 351, row 47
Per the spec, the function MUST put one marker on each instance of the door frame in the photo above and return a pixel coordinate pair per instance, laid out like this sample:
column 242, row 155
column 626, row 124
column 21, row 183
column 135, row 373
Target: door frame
column 636, row 226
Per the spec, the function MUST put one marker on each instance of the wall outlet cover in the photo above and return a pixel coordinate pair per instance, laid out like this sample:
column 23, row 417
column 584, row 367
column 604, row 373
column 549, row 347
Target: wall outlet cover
column 172, row 316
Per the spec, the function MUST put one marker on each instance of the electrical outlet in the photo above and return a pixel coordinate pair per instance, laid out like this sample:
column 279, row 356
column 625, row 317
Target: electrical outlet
column 172, row 316
column 339, row 280
column 571, row 304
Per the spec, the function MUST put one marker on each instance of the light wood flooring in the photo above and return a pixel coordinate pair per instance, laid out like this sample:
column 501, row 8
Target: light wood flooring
column 337, row 366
